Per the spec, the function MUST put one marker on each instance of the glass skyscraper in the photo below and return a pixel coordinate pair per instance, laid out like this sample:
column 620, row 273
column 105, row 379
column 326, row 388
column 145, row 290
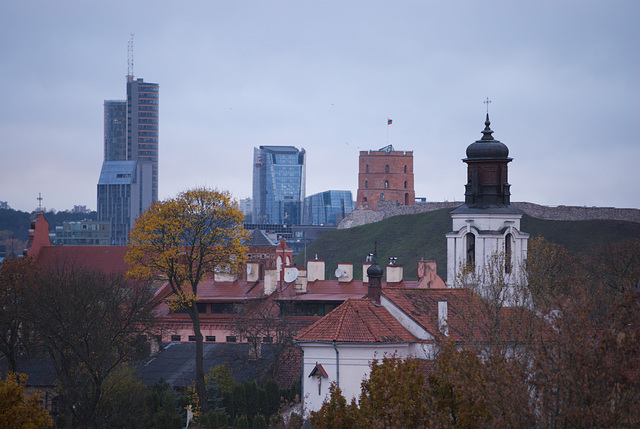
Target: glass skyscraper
column 128, row 183
column 327, row 208
column 279, row 177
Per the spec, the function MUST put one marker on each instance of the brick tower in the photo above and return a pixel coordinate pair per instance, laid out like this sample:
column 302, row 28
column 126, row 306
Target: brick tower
column 385, row 175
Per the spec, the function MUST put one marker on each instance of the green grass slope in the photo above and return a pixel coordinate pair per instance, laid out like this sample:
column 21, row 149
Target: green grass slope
column 411, row 238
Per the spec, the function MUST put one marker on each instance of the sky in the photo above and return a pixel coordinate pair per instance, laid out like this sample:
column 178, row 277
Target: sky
column 563, row 78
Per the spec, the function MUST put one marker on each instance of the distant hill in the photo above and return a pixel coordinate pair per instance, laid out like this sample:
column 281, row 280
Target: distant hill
column 16, row 223
column 415, row 236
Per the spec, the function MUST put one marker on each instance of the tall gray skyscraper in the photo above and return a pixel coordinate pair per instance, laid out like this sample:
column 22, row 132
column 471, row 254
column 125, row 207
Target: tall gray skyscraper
column 128, row 183
column 279, row 177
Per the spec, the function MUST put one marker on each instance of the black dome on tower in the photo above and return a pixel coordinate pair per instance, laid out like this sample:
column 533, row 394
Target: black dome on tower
column 487, row 188
column 487, row 146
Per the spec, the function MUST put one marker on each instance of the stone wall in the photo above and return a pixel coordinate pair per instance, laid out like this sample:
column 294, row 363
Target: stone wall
column 388, row 209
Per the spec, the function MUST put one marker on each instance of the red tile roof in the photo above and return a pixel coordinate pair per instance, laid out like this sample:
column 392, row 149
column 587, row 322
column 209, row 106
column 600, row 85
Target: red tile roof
column 109, row 259
column 213, row 291
column 360, row 321
column 469, row 317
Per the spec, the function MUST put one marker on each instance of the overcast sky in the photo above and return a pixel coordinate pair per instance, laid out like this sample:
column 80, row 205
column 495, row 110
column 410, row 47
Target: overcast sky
column 563, row 78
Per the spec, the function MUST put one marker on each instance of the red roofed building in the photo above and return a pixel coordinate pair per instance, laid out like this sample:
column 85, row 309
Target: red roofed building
column 406, row 322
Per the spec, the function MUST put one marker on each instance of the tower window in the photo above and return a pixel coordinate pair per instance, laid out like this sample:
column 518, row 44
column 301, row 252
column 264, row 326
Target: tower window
column 405, row 184
column 382, row 197
column 507, row 254
column 367, row 168
column 366, row 184
column 405, row 168
column 386, row 168
column 471, row 249
column 386, row 183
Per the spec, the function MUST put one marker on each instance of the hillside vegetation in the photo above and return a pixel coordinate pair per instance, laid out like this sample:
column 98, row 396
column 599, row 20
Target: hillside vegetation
column 411, row 238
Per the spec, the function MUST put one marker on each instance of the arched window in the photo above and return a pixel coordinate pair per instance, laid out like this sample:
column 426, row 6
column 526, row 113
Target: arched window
column 386, row 168
column 405, row 168
column 367, row 168
column 382, row 197
column 364, row 200
column 507, row 253
column 386, row 184
column 471, row 249
column 405, row 184
column 406, row 199
column 366, row 183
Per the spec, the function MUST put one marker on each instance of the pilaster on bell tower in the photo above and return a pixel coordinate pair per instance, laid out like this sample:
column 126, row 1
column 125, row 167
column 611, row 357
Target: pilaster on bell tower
column 487, row 226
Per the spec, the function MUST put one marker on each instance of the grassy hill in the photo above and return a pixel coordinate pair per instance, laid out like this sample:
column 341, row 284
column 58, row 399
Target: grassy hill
column 412, row 237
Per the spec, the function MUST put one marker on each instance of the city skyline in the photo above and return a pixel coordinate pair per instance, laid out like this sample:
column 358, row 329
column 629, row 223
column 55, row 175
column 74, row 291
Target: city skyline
column 562, row 78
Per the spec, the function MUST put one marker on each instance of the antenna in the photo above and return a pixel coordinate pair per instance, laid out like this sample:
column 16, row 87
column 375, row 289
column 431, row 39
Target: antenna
column 130, row 59
column 291, row 274
column 39, row 202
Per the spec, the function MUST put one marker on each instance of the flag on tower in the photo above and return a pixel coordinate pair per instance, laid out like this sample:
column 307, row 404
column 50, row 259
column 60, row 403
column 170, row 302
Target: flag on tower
column 389, row 121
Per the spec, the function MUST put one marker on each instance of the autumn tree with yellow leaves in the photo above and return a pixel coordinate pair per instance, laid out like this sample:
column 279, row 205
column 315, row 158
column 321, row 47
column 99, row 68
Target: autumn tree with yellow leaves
column 187, row 239
column 17, row 408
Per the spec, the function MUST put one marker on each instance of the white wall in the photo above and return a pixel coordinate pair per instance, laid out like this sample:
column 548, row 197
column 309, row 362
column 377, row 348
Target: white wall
column 352, row 365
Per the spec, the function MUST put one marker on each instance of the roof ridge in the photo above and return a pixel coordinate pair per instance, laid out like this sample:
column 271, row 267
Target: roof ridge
column 341, row 320
column 363, row 321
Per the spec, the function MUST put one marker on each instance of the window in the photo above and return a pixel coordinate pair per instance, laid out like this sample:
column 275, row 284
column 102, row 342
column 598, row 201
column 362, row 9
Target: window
column 267, row 339
column 381, row 197
column 386, row 184
column 386, row 168
column 192, row 337
column 175, row 338
column 210, row 338
column 405, row 184
column 405, row 168
column 367, row 168
column 471, row 249
column 507, row 254
column 366, row 184
column 231, row 338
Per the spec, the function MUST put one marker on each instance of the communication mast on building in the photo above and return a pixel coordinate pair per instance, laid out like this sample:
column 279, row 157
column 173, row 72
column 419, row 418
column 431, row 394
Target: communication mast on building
column 130, row 59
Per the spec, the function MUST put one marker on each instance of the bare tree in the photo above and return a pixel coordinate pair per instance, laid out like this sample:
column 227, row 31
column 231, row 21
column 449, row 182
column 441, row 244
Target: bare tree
column 89, row 323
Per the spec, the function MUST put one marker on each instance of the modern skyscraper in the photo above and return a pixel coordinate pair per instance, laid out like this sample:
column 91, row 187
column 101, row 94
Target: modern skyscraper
column 279, row 177
column 124, row 192
column 128, row 182
column 142, row 126
column 327, row 208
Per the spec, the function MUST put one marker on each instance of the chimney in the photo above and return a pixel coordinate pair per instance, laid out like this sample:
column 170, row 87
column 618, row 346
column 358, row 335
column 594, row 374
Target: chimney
column 394, row 271
column 301, row 281
column 270, row 281
column 428, row 276
column 315, row 270
column 443, row 318
column 346, row 272
column 253, row 271
column 374, row 273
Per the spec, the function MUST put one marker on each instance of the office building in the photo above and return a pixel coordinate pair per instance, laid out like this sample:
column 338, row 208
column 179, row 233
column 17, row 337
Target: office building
column 385, row 175
column 81, row 233
column 128, row 182
column 279, row 176
column 124, row 192
column 327, row 208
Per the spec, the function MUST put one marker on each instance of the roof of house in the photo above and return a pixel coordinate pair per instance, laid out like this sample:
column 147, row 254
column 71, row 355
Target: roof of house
column 109, row 259
column 469, row 317
column 357, row 321
column 220, row 291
